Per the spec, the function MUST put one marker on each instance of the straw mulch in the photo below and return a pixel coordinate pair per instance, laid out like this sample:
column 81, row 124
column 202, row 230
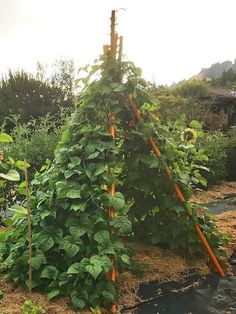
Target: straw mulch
column 226, row 223
column 162, row 265
column 14, row 299
column 216, row 193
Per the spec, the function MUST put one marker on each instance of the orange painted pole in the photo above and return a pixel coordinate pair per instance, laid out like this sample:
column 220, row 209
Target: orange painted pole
column 111, row 210
column 178, row 192
column 112, row 131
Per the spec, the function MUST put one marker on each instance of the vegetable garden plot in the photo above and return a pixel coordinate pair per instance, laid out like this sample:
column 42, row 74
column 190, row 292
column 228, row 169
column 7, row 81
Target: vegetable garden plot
column 78, row 220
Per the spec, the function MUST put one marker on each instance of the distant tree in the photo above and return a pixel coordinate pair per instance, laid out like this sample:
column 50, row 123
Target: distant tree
column 21, row 93
column 36, row 95
column 227, row 76
column 63, row 77
column 60, row 74
column 190, row 89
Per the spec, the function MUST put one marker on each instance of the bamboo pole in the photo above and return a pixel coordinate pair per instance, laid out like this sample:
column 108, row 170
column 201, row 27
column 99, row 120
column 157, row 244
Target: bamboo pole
column 113, row 34
column 178, row 192
column 29, row 224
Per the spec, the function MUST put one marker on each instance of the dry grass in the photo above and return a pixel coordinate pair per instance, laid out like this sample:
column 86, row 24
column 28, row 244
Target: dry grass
column 216, row 193
column 226, row 223
column 14, row 299
column 163, row 265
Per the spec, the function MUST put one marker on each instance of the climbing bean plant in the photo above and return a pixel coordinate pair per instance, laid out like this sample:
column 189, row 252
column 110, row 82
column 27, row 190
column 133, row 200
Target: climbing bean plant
column 71, row 239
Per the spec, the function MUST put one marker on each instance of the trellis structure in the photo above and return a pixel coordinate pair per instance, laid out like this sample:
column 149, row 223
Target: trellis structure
column 111, row 52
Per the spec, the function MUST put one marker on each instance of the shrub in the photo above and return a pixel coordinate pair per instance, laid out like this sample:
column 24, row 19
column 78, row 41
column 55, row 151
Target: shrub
column 190, row 89
column 232, row 155
column 216, row 145
column 173, row 103
column 36, row 139
column 9, row 175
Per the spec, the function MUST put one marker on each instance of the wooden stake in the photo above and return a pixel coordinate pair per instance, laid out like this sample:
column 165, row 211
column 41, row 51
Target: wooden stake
column 113, row 36
column 29, row 225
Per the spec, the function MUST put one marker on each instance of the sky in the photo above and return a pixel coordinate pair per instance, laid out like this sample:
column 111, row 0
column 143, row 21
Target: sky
column 170, row 40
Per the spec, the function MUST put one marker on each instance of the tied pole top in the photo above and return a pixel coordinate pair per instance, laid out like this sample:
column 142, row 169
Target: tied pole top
column 114, row 50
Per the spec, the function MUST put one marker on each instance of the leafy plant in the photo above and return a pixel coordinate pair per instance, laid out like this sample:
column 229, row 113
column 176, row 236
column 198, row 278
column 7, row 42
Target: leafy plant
column 231, row 154
column 216, row 145
column 9, row 175
column 70, row 226
column 36, row 139
column 29, row 307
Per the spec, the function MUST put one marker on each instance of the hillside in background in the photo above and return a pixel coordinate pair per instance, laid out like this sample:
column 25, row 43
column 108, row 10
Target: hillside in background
column 215, row 70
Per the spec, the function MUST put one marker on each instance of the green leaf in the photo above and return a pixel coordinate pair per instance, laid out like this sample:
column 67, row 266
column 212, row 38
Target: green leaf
column 5, row 138
column 77, row 302
column 75, row 160
column 21, row 164
column 52, row 294
column 93, row 155
column 21, row 188
column 108, row 297
column 203, row 182
column 100, row 169
column 78, row 206
column 102, row 236
column 94, row 270
column 69, row 246
column 73, row 194
column 77, row 232
column 38, row 260
column 78, row 268
column 19, row 213
column 195, row 124
column 11, row 175
column 49, row 272
column 107, row 264
column 117, row 201
column 122, row 224
column 46, row 213
column 62, row 279
column 46, row 242
column 203, row 168
column 154, row 163
column 125, row 259
column 73, row 269
column 69, row 173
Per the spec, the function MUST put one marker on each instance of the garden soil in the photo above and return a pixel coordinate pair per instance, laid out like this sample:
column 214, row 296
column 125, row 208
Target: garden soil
column 162, row 267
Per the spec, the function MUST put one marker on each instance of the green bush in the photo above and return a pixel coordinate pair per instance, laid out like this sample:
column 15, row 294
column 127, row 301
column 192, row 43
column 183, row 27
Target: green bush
column 173, row 102
column 36, row 139
column 9, row 177
column 232, row 154
column 190, row 89
column 216, row 145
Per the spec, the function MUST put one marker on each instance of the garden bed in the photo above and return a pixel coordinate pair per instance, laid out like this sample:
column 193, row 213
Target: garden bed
column 162, row 266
